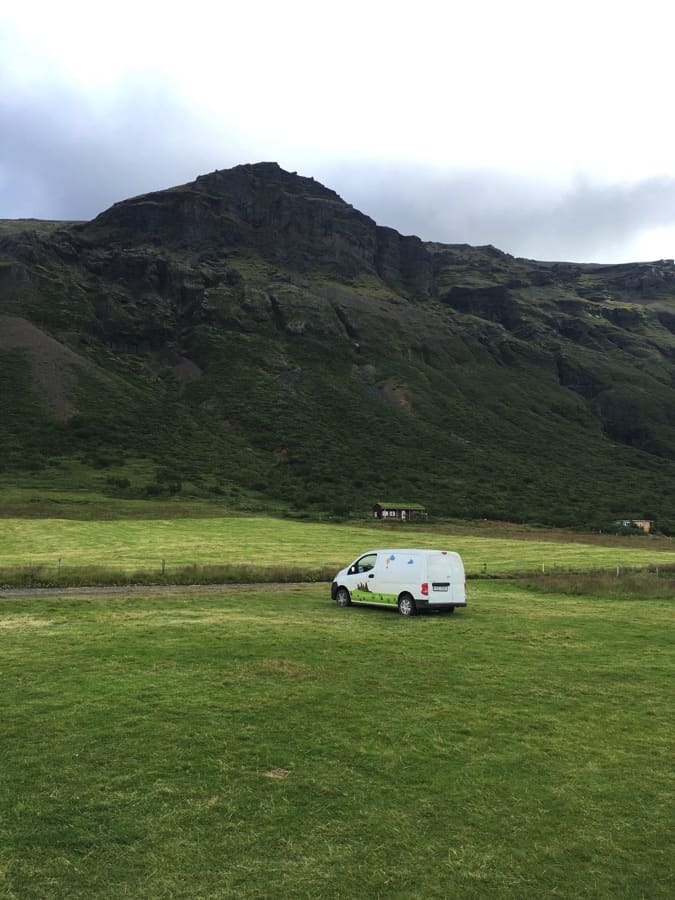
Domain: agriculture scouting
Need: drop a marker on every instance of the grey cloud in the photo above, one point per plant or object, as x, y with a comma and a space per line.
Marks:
522, 216
65, 156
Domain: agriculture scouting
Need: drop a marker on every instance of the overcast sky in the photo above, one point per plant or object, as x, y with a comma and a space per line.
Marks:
545, 129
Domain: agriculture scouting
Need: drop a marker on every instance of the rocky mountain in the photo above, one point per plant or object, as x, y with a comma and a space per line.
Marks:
252, 336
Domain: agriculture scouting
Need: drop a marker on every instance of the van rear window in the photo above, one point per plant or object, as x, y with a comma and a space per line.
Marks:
440, 568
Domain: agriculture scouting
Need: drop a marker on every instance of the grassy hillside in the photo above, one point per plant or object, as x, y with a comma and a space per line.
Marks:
250, 337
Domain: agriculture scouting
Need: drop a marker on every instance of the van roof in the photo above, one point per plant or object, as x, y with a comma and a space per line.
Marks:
427, 551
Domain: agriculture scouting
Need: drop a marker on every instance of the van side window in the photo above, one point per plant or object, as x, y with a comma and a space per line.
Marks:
366, 563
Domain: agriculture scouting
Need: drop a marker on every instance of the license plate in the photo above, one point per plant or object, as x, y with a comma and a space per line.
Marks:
439, 587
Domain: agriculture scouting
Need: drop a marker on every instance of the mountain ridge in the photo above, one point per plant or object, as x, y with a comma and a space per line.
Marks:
278, 324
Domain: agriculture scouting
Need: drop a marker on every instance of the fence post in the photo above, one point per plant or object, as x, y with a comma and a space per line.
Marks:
58, 566
163, 566
618, 571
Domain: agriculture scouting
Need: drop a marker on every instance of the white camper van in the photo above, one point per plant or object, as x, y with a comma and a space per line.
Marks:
410, 579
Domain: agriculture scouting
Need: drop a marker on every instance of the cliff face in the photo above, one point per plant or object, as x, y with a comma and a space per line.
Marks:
288, 219
283, 342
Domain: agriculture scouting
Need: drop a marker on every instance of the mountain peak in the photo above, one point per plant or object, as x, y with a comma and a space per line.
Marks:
286, 217
264, 175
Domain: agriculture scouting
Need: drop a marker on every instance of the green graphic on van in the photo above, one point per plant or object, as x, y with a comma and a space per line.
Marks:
363, 592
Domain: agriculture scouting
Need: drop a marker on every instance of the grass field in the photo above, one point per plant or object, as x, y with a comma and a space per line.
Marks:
268, 744
142, 544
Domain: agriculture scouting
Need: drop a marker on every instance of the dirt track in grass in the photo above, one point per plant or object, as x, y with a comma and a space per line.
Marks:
146, 589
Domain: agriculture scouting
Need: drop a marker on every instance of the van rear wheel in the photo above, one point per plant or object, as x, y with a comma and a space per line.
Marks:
406, 605
342, 597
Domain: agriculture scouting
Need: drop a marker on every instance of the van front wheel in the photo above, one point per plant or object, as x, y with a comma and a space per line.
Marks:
342, 597
406, 605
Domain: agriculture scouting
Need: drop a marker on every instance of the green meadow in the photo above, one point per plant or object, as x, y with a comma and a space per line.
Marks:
142, 544
259, 742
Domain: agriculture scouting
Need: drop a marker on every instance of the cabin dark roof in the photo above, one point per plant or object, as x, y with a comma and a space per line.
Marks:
398, 505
